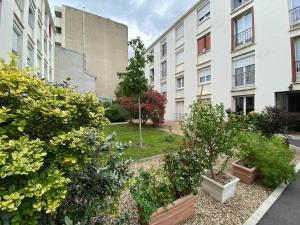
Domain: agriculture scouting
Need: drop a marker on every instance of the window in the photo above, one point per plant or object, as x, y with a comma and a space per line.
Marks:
203, 13
31, 15
0, 9
45, 46
244, 105
58, 30
297, 58
282, 101
46, 20
179, 57
244, 71
39, 73
163, 69
50, 31
243, 30
50, 74
179, 32
203, 43
151, 53
180, 83
30, 56
58, 14
237, 3
58, 44
151, 75
39, 38
163, 48
204, 75
20, 3
39, 14
179, 115
163, 89
16, 41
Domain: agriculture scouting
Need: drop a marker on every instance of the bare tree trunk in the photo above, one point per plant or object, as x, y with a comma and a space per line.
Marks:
140, 124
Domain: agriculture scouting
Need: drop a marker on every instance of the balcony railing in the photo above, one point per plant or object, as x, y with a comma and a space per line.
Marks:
244, 79
243, 37
295, 16
298, 70
238, 3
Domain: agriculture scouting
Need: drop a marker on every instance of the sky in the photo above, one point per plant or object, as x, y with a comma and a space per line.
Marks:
146, 19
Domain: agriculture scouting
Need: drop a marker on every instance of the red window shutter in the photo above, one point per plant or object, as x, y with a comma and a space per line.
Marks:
293, 52
199, 45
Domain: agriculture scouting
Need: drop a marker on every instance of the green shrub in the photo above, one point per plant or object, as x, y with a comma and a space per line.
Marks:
115, 113
151, 190
47, 134
206, 132
271, 157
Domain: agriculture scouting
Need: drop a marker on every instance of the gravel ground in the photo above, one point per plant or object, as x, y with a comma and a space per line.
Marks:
208, 211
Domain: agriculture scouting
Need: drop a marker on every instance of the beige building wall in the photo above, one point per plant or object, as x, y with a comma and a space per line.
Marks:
102, 41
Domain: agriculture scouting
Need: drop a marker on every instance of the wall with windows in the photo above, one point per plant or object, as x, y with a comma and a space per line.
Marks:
21, 32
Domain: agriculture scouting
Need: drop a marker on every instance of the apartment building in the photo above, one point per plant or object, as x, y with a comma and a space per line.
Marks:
27, 30
102, 42
242, 53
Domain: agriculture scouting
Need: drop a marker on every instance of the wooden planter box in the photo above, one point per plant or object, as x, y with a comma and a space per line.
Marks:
245, 174
218, 191
176, 213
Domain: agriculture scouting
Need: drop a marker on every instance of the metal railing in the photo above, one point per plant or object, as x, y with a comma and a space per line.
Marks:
243, 37
298, 70
295, 16
238, 3
244, 79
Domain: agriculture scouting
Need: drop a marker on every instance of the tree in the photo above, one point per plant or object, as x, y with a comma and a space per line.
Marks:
133, 80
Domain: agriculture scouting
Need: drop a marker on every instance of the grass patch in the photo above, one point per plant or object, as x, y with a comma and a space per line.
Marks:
153, 140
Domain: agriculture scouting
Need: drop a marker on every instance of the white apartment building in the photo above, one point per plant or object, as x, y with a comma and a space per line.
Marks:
242, 53
27, 29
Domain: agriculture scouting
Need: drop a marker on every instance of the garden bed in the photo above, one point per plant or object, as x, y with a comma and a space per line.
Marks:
208, 211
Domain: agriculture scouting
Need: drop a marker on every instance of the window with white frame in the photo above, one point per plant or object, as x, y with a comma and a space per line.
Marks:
30, 55
237, 3
16, 40
31, 15
46, 20
50, 74
294, 12
243, 29
204, 75
151, 76
179, 57
244, 104
244, 71
151, 53
20, 3
180, 82
203, 14
40, 14
163, 89
163, 48
179, 32
163, 69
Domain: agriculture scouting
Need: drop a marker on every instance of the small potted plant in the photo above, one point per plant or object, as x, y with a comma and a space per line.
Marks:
166, 196
208, 134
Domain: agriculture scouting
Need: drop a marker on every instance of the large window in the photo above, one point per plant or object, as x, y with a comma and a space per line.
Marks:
163, 48
243, 30
31, 15
30, 55
203, 13
179, 32
163, 69
45, 46
204, 75
16, 41
244, 71
151, 77
203, 44
179, 57
297, 58
163, 89
244, 104
180, 83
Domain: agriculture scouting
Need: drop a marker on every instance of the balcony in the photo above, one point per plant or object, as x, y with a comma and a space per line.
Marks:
295, 16
246, 79
238, 3
243, 37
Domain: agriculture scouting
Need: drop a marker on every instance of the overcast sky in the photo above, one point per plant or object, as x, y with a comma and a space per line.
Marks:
144, 18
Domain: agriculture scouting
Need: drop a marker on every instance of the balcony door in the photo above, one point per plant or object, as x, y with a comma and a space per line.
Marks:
297, 58
243, 29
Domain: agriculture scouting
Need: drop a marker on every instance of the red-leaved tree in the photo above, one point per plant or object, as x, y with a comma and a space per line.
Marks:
153, 105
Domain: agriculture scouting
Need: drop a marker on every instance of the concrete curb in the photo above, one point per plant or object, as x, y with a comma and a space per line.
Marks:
294, 147
266, 205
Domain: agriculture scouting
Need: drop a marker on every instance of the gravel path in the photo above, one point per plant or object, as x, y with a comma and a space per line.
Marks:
208, 211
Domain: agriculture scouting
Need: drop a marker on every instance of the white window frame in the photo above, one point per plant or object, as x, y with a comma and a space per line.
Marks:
19, 33
179, 57
31, 15
179, 32
180, 83
202, 14
163, 69
205, 74
162, 53
45, 47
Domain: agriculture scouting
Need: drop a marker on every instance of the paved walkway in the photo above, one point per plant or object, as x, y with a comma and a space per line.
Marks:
286, 210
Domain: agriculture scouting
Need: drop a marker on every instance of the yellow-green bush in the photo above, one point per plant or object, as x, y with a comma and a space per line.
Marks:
44, 138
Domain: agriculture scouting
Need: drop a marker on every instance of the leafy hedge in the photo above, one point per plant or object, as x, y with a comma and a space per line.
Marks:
44, 138
115, 113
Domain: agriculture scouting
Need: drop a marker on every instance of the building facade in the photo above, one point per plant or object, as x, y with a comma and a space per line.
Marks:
242, 53
102, 41
27, 30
